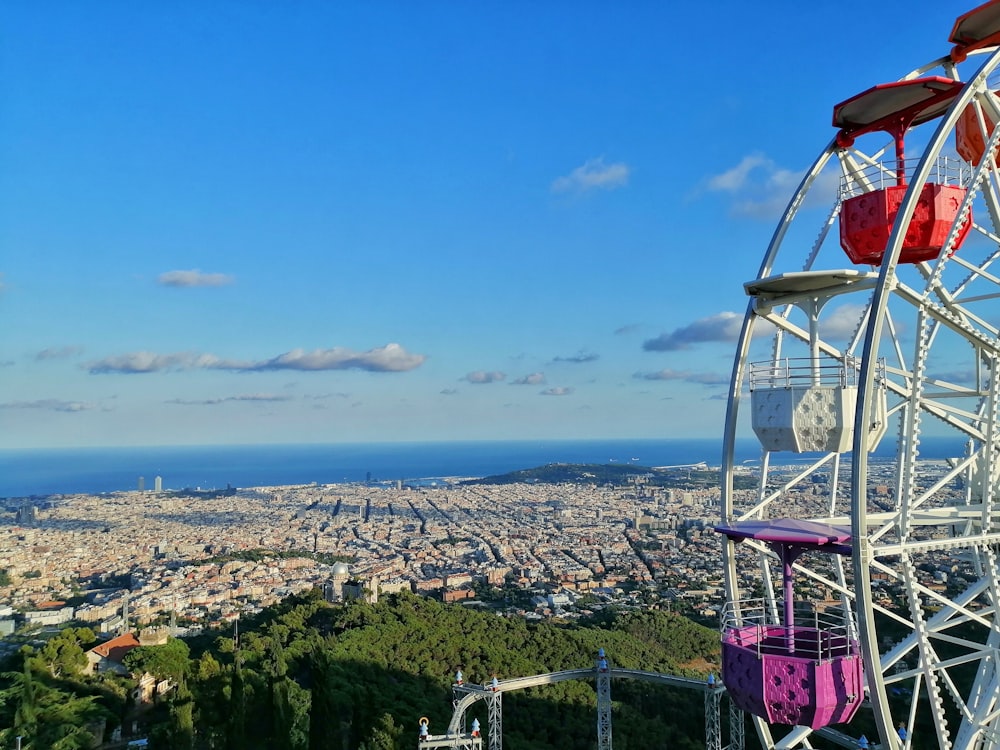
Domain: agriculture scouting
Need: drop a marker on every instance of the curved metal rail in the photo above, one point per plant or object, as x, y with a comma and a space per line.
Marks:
475, 693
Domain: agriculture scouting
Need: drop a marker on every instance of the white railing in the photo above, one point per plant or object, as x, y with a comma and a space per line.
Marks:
804, 372
815, 634
945, 171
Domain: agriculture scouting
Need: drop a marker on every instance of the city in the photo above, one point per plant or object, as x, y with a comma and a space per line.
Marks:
532, 549
167, 551
254, 237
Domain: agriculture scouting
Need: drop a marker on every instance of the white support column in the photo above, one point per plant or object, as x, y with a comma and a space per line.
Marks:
713, 724
985, 695
495, 703
456, 696
604, 709
737, 729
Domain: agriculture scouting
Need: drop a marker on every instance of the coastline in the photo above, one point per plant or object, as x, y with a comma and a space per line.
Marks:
26, 473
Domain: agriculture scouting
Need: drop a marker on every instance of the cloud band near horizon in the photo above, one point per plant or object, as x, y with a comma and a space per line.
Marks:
388, 358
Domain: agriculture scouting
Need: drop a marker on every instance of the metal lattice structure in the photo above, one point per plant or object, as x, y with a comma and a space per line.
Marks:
456, 696
603, 708
466, 694
459, 742
737, 728
495, 703
713, 722
912, 335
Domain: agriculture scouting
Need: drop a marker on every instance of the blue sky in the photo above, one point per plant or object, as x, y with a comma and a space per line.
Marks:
263, 222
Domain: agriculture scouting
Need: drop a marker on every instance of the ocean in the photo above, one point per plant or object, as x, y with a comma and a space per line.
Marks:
95, 470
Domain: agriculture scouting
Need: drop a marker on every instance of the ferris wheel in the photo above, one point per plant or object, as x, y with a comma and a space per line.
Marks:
861, 554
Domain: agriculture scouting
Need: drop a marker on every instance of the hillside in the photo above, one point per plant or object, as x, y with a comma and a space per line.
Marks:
619, 475
308, 675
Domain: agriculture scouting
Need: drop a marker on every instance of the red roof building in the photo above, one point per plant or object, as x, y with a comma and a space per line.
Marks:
108, 656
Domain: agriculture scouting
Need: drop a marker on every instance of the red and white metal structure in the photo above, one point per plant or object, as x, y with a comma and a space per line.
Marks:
874, 319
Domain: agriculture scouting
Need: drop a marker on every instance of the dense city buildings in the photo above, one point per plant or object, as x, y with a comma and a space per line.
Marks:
206, 557
533, 549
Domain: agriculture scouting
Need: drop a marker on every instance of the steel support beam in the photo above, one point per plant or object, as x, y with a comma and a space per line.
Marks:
495, 702
737, 729
603, 709
713, 723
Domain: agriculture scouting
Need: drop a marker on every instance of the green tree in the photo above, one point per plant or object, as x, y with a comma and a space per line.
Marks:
385, 735
276, 714
170, 660
63, 654
208, 667
26, 713
45, 716
325, 712
181, 731
237, 706
283, 721
208, 684
312, 676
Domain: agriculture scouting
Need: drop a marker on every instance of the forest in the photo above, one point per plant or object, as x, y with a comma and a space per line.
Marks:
619, 475
309, 675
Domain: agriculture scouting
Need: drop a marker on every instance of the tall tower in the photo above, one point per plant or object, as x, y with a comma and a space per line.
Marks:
142, 484
158, 484
27, 514
123, 628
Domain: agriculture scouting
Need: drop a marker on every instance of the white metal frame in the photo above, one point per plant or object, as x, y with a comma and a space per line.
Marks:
918, 318
604, 737
465, 695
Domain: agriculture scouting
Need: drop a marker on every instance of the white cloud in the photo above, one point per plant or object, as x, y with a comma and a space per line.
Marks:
736, 178
264, 397
767, 200
580, 358
194, 277
535, 378
842, 322
557, 391
702, 378
761, 189
962, 377
50, 404
60, 352
388, 358
724, 326
142, 362
593, 175
481, 376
